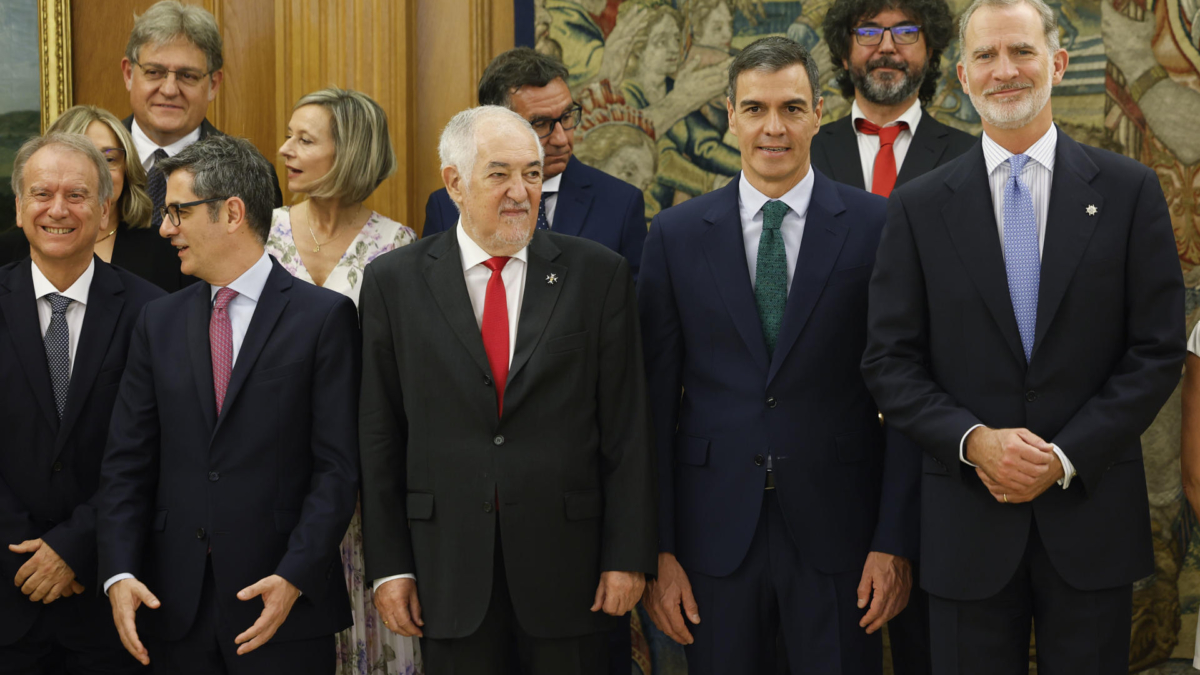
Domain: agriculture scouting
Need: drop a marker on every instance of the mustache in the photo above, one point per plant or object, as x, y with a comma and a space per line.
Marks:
887, 62
1008, 86
510, 205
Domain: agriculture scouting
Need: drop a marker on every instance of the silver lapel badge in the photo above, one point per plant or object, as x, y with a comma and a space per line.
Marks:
1091, 209
552, 279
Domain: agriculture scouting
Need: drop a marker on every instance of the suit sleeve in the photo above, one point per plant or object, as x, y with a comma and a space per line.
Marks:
383, 443
633, 235
626, 445
895, 363
1144, 377
898, 530
662, 340
434, 219
329, 505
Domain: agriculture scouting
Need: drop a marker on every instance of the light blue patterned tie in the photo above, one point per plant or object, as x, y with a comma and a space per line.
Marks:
58, 350
1021, 258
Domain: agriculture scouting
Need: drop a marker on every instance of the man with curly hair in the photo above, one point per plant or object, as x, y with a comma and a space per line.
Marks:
887, 55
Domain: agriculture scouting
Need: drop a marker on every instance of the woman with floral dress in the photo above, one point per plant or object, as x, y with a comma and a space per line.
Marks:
337, 151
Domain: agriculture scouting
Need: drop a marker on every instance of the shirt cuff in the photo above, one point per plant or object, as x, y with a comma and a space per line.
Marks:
381, 581
962, 446
1068, 467
114, 579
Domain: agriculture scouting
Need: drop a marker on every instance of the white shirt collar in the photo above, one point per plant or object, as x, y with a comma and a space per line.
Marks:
1041, 152
146, 147
912, 116
550, 185
78, 290
797, 198
252, 281
472, 254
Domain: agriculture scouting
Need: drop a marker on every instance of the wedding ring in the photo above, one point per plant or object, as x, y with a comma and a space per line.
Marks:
1005, 501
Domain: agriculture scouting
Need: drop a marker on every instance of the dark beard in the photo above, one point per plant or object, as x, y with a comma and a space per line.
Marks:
891, 92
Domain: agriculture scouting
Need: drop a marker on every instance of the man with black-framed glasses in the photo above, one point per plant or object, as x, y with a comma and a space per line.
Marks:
576, 198
173, 68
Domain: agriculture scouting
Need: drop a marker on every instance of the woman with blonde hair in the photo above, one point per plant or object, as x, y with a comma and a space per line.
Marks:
337, 151
125, 239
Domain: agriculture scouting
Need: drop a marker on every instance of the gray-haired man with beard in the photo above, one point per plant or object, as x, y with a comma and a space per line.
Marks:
887, 56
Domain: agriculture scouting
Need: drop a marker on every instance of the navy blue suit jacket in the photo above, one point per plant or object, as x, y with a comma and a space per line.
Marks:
591, 204
270, 484
49, 468
721, 404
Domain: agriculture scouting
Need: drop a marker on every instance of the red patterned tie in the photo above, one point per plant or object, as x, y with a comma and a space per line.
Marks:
220, 340
883, 179
495, 327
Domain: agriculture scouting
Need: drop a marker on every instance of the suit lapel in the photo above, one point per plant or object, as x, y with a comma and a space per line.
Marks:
444, 276
844, 161
725, 251
99, 321
574, 200
971, 222
538, 302
926, 149
199, 351
1069, 228
819, 249
20, 313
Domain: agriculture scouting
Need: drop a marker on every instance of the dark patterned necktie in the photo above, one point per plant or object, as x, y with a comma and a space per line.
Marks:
156, 187
543, 222
770, 273
58, 350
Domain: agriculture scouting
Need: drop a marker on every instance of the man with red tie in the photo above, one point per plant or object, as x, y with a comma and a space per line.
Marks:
508, 495
887, 59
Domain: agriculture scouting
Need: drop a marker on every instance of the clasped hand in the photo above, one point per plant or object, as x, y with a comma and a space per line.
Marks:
1015, 465
45, 577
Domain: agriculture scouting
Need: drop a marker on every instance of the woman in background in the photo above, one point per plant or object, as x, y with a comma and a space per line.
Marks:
337, 151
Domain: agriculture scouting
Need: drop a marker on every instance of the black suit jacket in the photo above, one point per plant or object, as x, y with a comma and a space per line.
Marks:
571, 457
591, 204
269, 485
206, 130
944, 354
835, 150
721, 403
49, 468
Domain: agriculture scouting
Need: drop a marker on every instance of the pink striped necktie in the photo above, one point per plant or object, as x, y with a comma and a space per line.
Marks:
220, 339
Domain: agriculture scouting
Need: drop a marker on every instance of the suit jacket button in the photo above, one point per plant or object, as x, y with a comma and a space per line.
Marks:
770, 401
498, 440
199, 532
487, 507
759, 460
214, 476
487, 381
58, 466
1031, 396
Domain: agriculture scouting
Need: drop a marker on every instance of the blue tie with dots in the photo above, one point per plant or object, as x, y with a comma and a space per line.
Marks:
156, 188
58, 350
1022, 261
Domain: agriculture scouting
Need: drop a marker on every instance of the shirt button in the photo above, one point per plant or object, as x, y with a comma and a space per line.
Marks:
199, 532
214, 476
1031, 396
498, 440
759, 460
58, 466
770, 401
487, 507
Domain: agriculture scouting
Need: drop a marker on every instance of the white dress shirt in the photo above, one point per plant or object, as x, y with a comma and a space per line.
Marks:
241, 310
868, 144
1037, 175
550, 189
78, 292
750, 204
146, 147
477, 277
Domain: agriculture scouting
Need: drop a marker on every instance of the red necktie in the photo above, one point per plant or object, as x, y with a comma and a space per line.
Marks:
495, 327
220, 340
883, 179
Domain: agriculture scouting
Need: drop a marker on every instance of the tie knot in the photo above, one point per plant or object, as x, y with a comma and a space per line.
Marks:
1017, 163
773, 213
887, 135
224, 297
159, 155
58, 303
496, 264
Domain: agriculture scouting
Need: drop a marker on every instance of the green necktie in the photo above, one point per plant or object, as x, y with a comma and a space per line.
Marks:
770, 273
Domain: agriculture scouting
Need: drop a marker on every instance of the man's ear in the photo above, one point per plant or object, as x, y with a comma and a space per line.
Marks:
127, 73
217, 78
235, 214
454, 183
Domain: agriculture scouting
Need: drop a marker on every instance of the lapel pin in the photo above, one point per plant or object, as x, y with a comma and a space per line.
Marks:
552, 279
1091, 209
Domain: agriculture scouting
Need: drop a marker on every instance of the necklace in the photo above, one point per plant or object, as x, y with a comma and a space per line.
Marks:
316, 244
110, 233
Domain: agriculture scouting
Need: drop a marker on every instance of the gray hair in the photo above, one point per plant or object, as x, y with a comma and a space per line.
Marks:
76, 142
226, 166
1049, 22
170, 20
457, 146
772, 54
362, 151
133, 205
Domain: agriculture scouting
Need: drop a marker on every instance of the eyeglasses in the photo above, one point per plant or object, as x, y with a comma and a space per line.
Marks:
114, 157
171, 211
569, 120
869, 36
185, 76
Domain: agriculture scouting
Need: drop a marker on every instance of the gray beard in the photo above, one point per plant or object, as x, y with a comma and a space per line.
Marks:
892, 92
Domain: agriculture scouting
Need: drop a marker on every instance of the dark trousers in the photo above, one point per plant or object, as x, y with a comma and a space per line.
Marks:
501, 647
1077, 632
209, 649
908, 632
71, 636
620, 648
775, 595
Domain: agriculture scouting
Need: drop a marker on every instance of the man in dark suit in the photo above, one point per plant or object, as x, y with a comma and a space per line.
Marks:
505, 432
65, 322
776, 514
1026, 325
576, 198
172, 70
888, 62
231, 470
